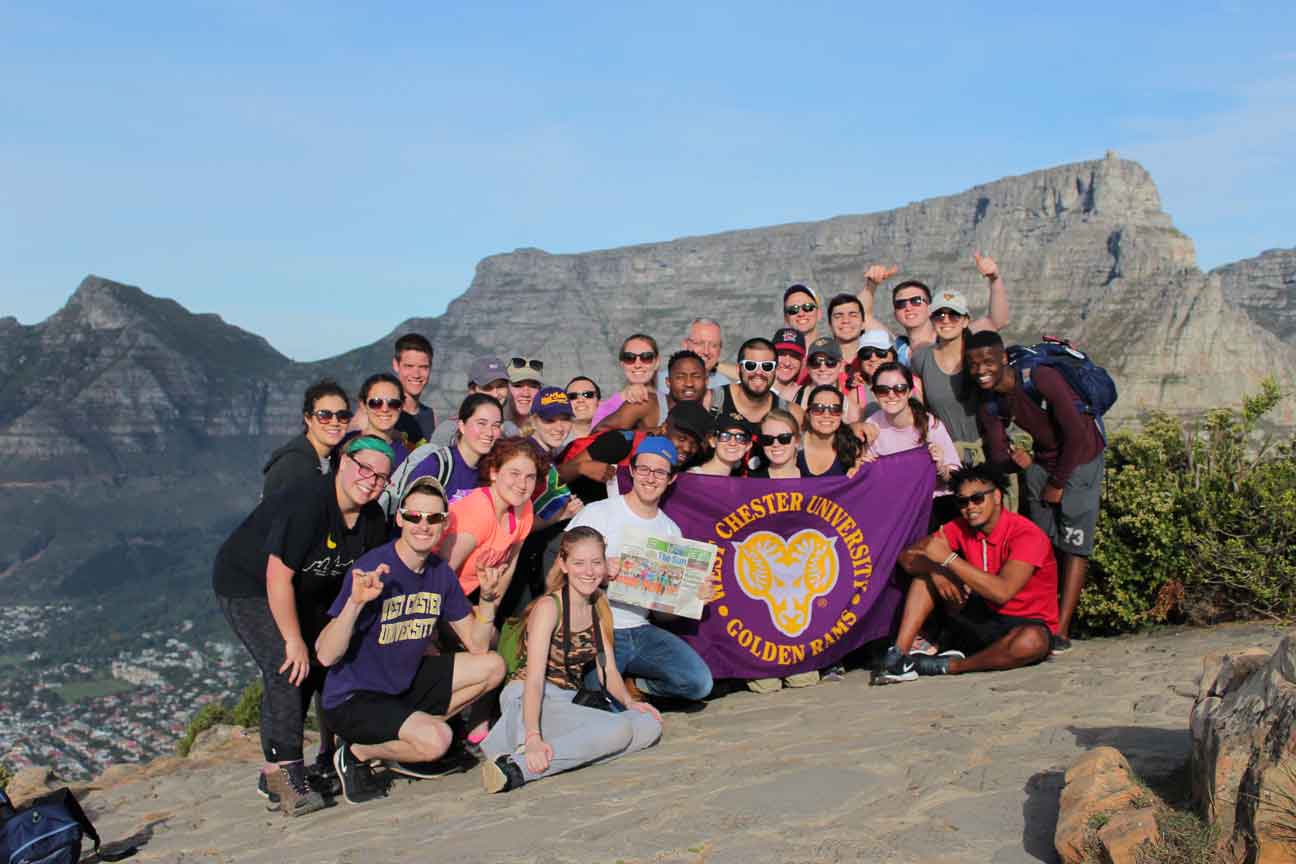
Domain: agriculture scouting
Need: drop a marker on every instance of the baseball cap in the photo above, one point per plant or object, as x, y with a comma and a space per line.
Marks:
826, 346
879, 339
484, 370
798, 288
789, 339
730, 421
692, 418
524, 369
551, 403
950, 300
427, 484
658, 445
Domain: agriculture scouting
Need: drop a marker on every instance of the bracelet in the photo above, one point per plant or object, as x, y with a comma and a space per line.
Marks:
949, 558
529, 734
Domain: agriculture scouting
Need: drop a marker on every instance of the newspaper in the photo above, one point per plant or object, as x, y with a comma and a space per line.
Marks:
664, 575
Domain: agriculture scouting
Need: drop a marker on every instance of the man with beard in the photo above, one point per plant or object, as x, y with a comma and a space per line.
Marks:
753, 396
685, 382
992, 573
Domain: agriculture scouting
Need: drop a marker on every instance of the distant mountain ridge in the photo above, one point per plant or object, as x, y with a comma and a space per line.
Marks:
144, 425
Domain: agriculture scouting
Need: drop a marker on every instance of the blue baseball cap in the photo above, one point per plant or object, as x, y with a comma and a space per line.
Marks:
659, 446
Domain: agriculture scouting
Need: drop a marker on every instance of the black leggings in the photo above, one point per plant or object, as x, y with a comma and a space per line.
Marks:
283, 706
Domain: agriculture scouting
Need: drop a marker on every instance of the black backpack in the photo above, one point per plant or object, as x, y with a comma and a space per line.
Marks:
49, 830
1094, 389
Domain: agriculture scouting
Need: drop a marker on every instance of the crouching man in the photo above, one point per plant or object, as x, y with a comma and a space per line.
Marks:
384, 695
992, 575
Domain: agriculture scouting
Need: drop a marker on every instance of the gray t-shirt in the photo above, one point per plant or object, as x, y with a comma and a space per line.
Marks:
952, 398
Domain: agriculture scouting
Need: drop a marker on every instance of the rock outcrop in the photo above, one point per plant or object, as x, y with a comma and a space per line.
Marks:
1243, 766
1265, 288
1103, 806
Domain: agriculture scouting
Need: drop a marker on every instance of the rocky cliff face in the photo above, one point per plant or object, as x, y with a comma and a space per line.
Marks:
125, 419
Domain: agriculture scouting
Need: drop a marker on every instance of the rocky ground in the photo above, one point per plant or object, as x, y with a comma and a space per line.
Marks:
940, 770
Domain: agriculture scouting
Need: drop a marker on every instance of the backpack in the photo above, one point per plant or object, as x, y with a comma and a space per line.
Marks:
401, 477
49, 830
1093, 386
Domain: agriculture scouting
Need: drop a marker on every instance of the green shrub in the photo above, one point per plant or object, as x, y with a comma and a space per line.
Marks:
209, 715
5, 777
247, 711
1198, 521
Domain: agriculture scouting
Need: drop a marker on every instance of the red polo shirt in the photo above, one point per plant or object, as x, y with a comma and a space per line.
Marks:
1014, 538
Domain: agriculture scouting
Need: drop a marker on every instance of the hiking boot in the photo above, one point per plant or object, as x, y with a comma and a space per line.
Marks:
896, 668
1059, 644
296, 797
322, 777
925, 664
272, 799
355, 777
502, 775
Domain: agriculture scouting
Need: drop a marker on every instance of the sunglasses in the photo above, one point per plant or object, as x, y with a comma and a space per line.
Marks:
784, 438
804, 307
909, 301
324, 415
762, 365
977, 498
581, 394
736, 437
522, 363
885, 389
821, 362
377, 404
414, 517
825, 408
367, 473
942, 314
874, 353
642, 356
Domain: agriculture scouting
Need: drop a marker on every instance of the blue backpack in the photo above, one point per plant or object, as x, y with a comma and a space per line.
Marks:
49, 830
1094, 388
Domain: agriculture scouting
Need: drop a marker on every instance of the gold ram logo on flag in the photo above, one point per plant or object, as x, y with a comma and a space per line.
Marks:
786, 575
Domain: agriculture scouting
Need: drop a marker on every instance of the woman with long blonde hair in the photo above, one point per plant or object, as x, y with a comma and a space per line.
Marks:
542, 731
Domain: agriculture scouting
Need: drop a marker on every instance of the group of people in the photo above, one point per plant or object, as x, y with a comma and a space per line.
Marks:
388, 549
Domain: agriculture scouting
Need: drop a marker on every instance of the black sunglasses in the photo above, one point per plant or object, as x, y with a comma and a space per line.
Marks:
377, 404
783, 438
804, 307
942, 314
727, 436
977, 498
324, 415
414, 517
909, 301
825, 408
581, 394
522, 363
819, 361
884, 389
641, 356
871, 353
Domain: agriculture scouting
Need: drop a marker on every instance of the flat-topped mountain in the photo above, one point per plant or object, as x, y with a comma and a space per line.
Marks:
133, 430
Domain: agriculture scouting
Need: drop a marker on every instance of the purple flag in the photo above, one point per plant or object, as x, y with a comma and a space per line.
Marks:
804, 566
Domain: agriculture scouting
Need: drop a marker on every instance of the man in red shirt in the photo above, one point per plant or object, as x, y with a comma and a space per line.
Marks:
992, 573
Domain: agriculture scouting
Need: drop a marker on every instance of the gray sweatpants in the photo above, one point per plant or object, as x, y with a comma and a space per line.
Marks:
578, 735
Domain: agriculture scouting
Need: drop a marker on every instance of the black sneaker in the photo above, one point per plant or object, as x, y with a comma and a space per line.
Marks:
322, 777
1059, 644
264, 791
502, 775
925, 664
355, 777
896, 668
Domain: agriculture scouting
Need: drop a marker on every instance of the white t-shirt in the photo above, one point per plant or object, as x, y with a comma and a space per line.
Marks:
620, 527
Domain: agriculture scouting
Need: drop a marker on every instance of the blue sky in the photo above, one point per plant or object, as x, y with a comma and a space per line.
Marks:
317, 173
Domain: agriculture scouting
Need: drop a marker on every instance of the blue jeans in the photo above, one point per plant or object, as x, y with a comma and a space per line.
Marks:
661, 663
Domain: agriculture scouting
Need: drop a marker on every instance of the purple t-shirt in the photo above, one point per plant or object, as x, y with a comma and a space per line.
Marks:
393, 629
463, 477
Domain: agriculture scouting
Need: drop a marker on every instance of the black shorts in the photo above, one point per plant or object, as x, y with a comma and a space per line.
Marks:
376, 718
976, 626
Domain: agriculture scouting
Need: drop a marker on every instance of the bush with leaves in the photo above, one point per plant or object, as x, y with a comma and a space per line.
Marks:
1198, 521
209, 715
5, 777
247, 711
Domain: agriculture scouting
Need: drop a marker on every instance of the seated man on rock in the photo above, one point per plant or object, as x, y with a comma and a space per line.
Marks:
992, 574
384, 695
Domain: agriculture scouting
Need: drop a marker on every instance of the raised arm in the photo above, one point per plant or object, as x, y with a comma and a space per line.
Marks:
874, 276
997, 317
